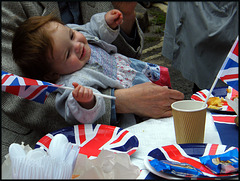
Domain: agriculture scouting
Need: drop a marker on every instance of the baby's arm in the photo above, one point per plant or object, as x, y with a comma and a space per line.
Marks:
84, 96
114, 18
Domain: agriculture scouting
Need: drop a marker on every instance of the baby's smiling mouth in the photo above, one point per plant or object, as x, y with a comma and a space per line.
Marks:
83, 53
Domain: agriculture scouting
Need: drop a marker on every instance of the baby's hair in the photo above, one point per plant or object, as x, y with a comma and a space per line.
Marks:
32, 47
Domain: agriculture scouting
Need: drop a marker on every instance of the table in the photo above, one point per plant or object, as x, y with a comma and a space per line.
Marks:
155, 133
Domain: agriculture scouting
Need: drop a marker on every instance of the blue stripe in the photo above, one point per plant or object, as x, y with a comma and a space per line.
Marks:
230, 63
15, 82
228, 133
131, 143
233, 84
3, 73
40, 98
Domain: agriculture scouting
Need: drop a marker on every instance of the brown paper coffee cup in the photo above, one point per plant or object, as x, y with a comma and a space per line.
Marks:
189, 121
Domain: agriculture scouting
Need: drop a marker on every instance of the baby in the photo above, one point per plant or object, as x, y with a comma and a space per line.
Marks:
81, 56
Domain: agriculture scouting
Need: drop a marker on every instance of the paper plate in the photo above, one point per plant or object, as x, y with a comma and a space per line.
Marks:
217, 92
92, 138
190, 153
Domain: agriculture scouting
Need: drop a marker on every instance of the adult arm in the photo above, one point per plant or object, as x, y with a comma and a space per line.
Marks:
129, 17
147, 100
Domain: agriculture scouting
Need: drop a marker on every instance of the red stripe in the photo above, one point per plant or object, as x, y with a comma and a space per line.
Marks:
93, 146
235, 51
82, 135
45, 141
234, 93
5, 78
230, 76
195, 97
223, 119
203, 94
10, 89
120, 137
39, 89
13, 90
30, 81
229, 108
131, 152
175, 154
213, 149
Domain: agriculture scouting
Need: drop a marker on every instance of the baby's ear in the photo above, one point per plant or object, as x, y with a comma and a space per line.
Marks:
51, 77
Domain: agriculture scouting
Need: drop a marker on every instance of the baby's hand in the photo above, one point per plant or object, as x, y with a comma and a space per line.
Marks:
83, 95
114, 18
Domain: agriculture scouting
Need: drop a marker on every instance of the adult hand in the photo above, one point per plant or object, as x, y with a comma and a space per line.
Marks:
128, 10
147, 100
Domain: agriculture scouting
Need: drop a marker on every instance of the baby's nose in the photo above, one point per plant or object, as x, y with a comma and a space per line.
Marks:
77, 47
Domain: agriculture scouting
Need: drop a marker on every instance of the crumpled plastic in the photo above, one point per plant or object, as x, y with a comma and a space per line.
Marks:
176, 168
219, 164
222, 163
108, 165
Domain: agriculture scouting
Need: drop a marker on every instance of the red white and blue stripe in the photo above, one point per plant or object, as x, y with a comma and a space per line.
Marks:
26, 88
92, 138
229, 70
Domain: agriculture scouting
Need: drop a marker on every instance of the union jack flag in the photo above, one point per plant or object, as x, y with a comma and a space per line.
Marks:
92, 138
229, 70
31, 89
185, 153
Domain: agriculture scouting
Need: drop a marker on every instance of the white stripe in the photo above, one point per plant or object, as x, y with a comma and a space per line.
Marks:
76, 134
207, 149
231, 148
230, 71
229, 80
233, 57
89, 133
222, 115
21, 81
223, 122
9, 81
39, 82
205, 92
113, 138
221, 149
123, 141
143, 174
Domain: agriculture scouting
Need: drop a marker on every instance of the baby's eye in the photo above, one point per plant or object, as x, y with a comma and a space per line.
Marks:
72, 35
68, 54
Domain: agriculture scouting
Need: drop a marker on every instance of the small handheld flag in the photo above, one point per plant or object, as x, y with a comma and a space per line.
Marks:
31, 89
35, 90
229, 70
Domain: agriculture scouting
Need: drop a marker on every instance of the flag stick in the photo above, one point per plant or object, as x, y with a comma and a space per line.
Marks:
210, 91
94, 93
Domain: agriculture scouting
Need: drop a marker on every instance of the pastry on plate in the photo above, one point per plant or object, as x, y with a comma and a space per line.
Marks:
215, 102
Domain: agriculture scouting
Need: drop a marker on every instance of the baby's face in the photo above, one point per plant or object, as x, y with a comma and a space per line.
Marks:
70, 49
